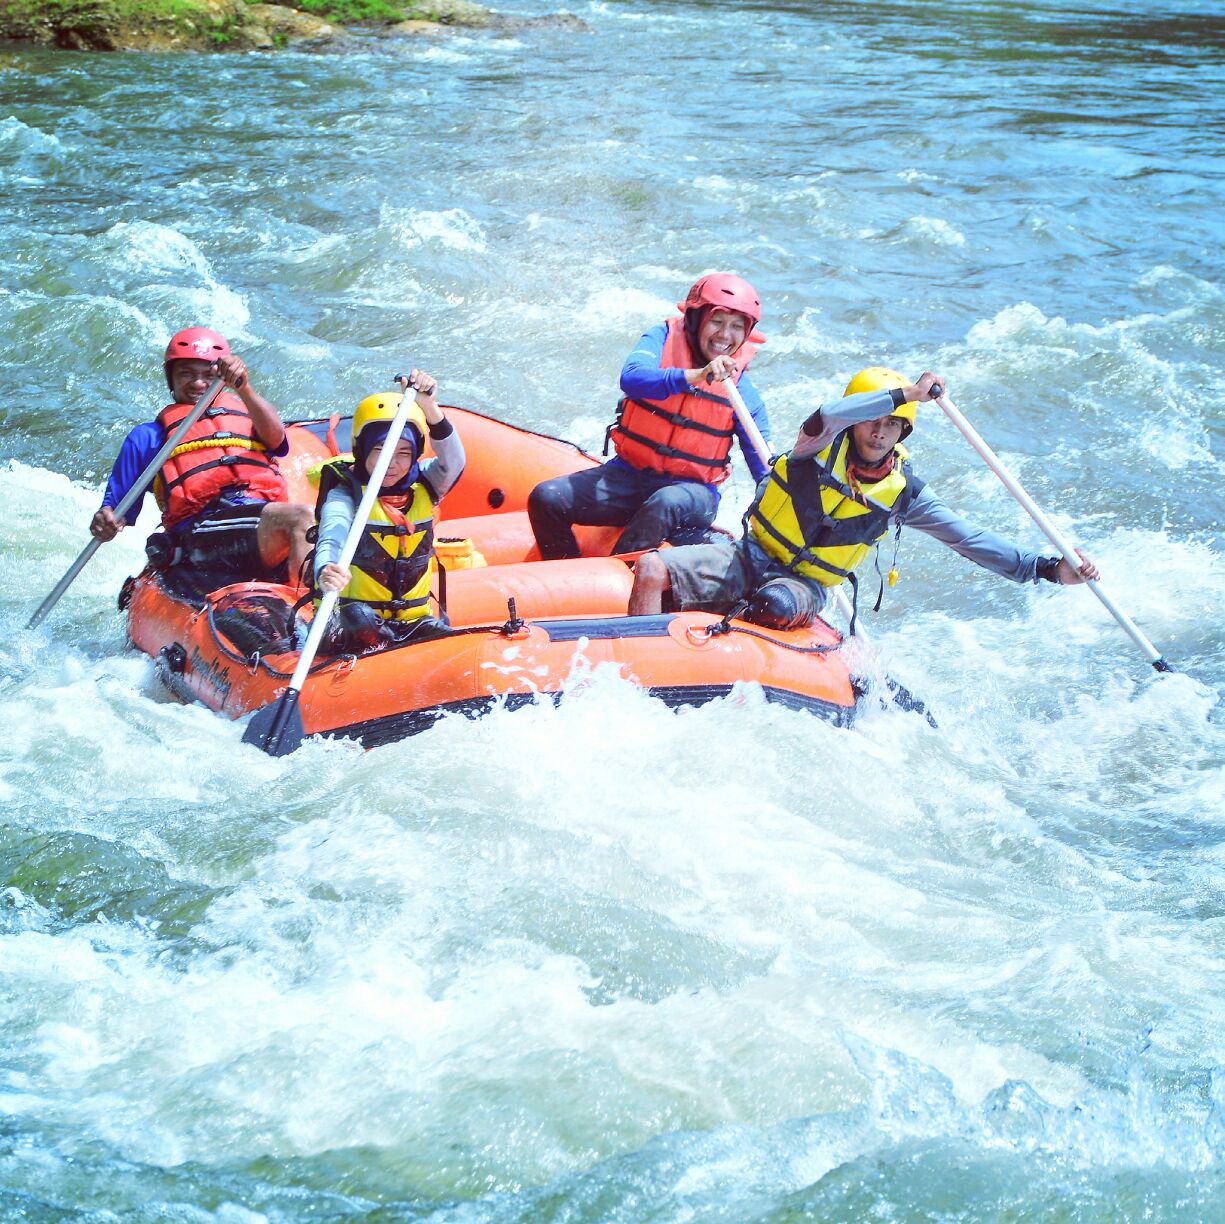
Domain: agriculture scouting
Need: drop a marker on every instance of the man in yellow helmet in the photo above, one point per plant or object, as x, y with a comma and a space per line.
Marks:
819, 511
385, 593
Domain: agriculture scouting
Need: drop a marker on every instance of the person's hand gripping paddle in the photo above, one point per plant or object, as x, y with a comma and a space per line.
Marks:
133, 494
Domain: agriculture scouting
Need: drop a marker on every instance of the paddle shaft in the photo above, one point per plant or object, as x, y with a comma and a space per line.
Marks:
131, 496
1049, 530
762, 447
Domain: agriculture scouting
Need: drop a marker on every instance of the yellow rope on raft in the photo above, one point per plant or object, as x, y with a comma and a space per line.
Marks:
215, 443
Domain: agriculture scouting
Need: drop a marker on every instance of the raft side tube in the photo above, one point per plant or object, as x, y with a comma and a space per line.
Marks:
507, 539
374, 733
583, 586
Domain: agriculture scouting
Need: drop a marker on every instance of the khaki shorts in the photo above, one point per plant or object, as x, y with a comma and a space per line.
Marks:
714, 577
708, 577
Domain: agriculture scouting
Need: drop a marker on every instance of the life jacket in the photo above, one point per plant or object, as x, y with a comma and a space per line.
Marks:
687, 435
808, 517
391, 568
218, 453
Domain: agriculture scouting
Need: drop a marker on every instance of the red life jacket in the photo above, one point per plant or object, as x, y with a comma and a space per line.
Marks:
689, 434
218, 453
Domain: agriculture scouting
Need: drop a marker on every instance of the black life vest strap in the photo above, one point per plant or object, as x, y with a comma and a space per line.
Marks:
388, 605
823, 478
854, 602
673, 452
683, 422
700, 393
395, 529
331, 475
216, 410
248, 458
212, 411
802, 553
821, 529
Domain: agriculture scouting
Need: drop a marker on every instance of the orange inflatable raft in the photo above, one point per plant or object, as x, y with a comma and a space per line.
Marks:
230, 648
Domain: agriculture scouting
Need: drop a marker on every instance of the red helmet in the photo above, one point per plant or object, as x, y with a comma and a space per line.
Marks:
725, 290
196, 344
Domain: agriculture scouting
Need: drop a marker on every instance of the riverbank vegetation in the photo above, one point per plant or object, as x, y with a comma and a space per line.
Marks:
165, 25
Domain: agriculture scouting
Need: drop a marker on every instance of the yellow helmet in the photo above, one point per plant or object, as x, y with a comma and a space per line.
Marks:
880, 378
382, 406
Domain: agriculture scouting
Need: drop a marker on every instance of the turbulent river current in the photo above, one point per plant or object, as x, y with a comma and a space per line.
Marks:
606, 961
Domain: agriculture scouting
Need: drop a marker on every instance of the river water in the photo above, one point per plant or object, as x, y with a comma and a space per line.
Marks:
608, 961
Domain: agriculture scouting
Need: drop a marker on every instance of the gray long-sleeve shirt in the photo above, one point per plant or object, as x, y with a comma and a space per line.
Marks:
927, 512
340, 508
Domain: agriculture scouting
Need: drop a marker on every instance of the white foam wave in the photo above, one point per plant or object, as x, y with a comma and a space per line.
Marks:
404, 953
452, 228
1173, 403
25, 492
435, 53
28, 144
615, 305
1165, 275
170, 277
937, 230
156, 248
716, 185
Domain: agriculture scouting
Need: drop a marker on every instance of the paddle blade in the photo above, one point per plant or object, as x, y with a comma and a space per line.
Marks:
904, 699
277, 727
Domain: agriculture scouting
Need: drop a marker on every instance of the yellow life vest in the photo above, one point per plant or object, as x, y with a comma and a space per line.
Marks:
391, 568
808, 517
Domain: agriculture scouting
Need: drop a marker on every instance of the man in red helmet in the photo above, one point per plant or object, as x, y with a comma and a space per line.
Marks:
222, 498
673, 431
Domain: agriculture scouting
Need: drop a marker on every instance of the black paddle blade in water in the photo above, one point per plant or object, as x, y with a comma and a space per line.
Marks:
904, 699
277, 728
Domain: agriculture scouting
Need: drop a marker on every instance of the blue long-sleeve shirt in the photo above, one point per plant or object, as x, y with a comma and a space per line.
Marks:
642, 378
927, 512
134, 456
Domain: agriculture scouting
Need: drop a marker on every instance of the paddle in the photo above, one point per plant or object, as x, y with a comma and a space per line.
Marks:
766, 455
136, 491
1047, 528
277, 727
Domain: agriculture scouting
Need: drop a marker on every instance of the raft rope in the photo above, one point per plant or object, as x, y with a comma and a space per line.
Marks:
254, 661
725, 625
235, 441
765, 637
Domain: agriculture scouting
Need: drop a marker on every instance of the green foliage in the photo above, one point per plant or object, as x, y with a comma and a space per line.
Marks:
341, 11
158, 24
97, 23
